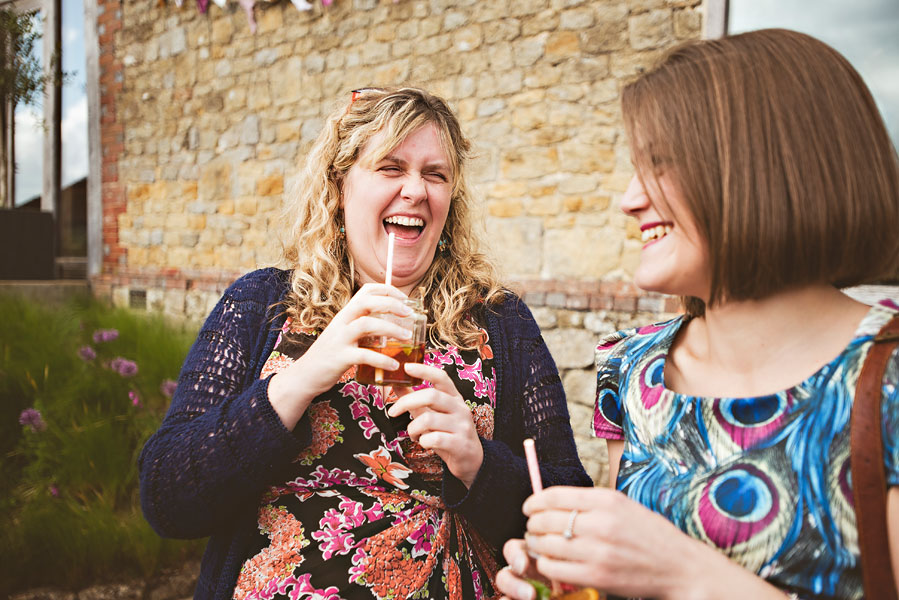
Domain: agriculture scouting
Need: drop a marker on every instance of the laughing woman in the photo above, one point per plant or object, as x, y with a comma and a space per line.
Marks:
305, 483
766, 181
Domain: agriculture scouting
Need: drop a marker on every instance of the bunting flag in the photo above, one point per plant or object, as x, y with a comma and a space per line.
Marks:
247, 6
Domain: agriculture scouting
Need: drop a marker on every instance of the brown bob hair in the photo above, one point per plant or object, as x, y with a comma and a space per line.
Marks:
782, 158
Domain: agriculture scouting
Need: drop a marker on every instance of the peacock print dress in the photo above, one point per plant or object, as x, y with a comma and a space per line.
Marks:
362, 516
765, 480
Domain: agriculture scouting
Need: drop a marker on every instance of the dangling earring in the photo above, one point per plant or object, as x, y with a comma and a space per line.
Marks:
341, 233
443, 245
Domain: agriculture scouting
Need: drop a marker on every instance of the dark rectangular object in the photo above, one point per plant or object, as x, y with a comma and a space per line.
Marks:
27, 248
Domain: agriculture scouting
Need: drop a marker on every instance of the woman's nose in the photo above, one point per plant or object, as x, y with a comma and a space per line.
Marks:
414, 189
634, 198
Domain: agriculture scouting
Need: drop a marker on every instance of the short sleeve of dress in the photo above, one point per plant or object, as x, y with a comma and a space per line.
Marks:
607, 416
890, 419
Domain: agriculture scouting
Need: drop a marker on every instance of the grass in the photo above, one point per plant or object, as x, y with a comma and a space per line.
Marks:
70, 511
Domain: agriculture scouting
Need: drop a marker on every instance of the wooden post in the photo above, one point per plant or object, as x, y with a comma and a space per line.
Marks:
715, 25
94, 152
52, 106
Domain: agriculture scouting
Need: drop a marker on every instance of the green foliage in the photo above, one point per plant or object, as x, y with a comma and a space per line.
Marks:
70, 510
21, 77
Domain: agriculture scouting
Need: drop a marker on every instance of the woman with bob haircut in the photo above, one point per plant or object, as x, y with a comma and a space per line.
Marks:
765, 182
312, 483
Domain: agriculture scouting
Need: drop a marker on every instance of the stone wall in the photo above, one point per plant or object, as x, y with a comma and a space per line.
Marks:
204, 124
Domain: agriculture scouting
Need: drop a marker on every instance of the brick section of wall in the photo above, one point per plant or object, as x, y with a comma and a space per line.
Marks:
112, 132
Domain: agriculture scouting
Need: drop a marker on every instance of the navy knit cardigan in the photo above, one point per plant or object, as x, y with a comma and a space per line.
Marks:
222, 445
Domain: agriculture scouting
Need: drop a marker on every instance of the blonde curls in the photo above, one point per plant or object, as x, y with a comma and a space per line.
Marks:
323, 278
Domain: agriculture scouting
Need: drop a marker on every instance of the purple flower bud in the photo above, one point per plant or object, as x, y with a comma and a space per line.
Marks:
135, 399
54, 491
167, 387
105, 335
31, 417
123, 366
86, 353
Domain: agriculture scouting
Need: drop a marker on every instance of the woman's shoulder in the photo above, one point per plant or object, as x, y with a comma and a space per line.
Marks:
267, 284
635, 341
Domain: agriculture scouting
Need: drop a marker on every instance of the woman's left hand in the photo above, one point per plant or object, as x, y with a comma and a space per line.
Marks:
619, 546
441, 421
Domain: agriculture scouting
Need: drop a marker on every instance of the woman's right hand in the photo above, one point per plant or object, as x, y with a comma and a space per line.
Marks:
512, 580
337, 349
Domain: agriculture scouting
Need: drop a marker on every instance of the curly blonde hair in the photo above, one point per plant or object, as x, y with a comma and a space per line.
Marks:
323, 278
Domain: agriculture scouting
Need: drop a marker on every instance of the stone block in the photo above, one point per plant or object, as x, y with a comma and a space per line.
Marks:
270, 185
215, 183
577, 19
468, 38
581, 252
652, 29
571, 348
580, 386
545, 317
528, 51
562, 44
222, 31
599, 323
528, 163
610, 31
546, 20
515, 244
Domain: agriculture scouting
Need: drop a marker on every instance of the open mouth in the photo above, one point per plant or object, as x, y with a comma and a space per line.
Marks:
652, 232
405, 228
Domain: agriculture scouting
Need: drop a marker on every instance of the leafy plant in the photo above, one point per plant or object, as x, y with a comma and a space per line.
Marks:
81, 388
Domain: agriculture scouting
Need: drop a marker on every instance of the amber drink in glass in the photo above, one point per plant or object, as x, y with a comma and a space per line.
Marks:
411, 350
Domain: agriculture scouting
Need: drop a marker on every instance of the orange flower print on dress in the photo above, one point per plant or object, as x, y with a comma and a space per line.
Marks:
483, 420
381, 466
326, 431
276, 562
484, 349
275, 363
385, 564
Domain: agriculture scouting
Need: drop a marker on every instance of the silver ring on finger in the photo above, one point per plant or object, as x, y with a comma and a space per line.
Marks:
569, 529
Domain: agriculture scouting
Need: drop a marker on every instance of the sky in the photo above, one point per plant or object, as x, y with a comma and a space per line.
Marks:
866, 32
29, 119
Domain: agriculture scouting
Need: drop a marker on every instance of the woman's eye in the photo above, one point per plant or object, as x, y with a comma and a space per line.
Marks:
438, 176
389, 169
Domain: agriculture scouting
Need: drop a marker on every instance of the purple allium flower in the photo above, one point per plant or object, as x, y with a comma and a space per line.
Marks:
135, 398
54, 491
123, 366
31, 417
105, 335
167, 387
86, 353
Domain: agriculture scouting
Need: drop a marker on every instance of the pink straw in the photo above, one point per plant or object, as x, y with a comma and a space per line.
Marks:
389, 275
530, 453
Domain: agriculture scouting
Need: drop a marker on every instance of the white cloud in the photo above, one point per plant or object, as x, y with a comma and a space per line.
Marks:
74, 142
29, 153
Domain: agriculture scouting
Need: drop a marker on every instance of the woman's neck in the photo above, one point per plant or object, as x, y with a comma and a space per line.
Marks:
753, 347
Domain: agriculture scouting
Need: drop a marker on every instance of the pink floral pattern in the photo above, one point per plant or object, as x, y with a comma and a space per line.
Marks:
369, 497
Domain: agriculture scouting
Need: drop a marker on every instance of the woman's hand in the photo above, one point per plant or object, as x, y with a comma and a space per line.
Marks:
441, 421
619, 546
512, 580
337, 349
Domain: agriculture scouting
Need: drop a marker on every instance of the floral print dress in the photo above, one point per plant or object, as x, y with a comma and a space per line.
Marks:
363, 516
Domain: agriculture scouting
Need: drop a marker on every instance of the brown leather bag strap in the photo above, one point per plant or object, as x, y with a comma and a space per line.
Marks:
869, 487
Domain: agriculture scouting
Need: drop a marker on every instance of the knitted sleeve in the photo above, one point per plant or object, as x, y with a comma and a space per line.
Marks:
530, 403
221, 441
